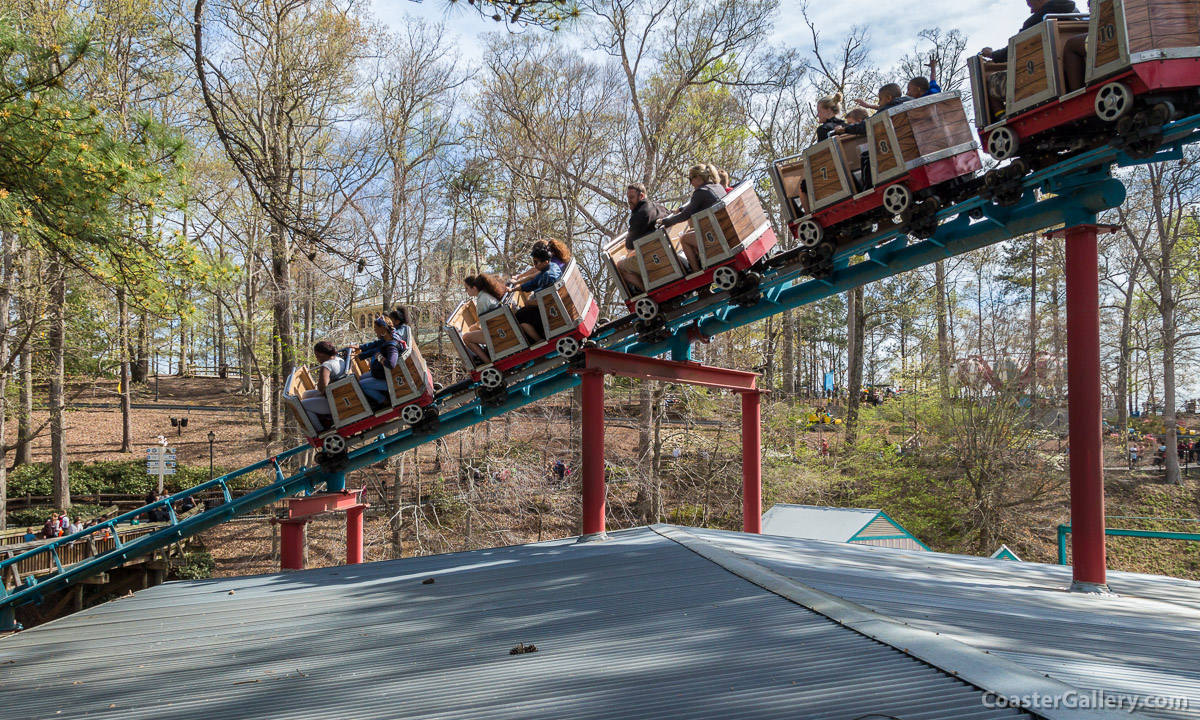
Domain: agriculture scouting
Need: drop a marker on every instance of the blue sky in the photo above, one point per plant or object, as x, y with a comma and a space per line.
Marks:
893, 25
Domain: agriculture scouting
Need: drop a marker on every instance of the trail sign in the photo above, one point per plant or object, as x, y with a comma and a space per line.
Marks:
160, 461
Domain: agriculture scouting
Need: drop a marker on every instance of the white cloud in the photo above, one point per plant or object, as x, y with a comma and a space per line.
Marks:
893, 26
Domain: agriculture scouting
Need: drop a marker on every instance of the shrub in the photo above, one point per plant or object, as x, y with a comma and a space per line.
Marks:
197, 565
109, 476
36, 516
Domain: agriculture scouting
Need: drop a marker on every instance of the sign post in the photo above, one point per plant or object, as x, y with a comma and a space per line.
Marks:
160, 461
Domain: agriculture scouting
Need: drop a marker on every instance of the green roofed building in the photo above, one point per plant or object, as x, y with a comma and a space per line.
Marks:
851, 525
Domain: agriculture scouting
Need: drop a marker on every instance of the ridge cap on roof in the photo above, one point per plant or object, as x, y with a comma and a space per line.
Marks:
977, 667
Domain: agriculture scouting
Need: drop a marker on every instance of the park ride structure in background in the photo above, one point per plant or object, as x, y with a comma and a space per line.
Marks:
1067, 191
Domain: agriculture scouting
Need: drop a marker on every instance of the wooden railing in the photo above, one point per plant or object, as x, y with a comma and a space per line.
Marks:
69, 554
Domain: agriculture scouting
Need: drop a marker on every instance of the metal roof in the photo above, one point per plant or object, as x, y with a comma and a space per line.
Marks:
639, 626
1143, 642
813, 522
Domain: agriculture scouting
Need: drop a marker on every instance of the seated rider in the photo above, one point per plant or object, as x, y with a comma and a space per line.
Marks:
1074, 49
548, 273
315, 402
560, 255
706, 192
889, 97
643, 215
402, 329
920, 87
488, 291
383, 353
829, 113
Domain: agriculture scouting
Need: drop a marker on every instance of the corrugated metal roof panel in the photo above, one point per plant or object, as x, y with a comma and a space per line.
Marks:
880, 527
814, 522
1145, 642
634, 627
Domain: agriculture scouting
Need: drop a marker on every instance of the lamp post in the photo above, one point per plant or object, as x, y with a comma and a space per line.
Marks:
212, 437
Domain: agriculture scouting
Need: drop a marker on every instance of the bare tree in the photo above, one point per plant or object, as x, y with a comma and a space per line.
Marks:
278, 99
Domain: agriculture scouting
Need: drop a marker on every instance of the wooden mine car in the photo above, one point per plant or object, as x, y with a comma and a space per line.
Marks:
732, 236
568, 314
1141, 71
410, 400
921, 156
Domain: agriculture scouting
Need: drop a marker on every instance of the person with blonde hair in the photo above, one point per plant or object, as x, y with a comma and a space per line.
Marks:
706, 192
829, 113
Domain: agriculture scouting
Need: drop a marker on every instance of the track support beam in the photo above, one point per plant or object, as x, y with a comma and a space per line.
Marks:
593, 455
597, 363
752, 462
1089, 572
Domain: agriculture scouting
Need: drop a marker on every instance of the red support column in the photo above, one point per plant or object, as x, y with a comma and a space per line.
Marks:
291, 544
752, 461
354, 535
1083, 405
592, 433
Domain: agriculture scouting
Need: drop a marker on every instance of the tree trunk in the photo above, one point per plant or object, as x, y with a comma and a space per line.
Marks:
645, 421
29, 316
285, 339
789, 354
854, 382
1169, 319
61, 492
125, 376
141, 369
8, 242
246, 338
1033, 319
1123, 353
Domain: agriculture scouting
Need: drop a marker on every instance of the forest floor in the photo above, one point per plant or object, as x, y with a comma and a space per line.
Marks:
492, 486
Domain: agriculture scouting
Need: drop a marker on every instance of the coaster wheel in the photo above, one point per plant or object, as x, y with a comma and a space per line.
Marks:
412, 414
1002, 143
645, 308
491, 378
1113, 101
334, 444
897, 199
568, 347
809, 233
725, 278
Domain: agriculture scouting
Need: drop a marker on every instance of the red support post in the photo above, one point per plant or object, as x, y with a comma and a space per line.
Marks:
1083, 406
354, 535
291, 544
593, 453
752, 462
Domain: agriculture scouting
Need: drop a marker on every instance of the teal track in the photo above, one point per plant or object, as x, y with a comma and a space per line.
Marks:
1071, 192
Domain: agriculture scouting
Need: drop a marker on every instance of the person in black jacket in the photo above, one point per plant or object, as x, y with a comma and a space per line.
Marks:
1040, 9
643, 216
707, 191
890, 96
1074, 49
829, 112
